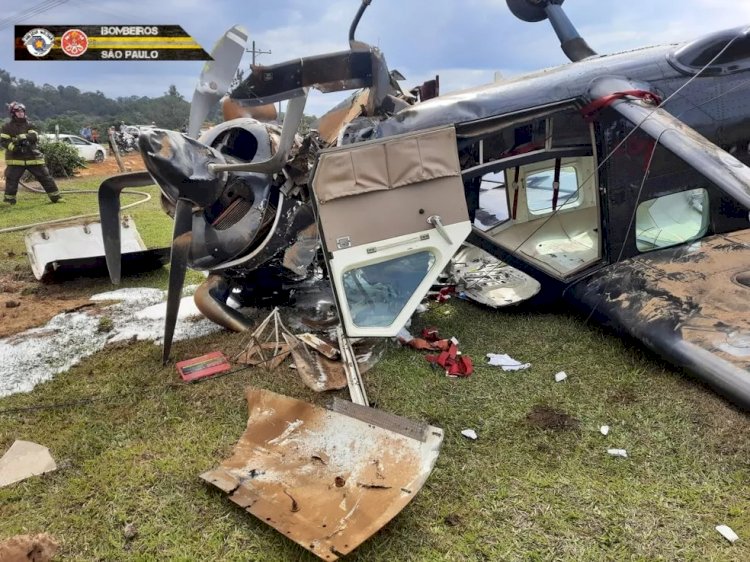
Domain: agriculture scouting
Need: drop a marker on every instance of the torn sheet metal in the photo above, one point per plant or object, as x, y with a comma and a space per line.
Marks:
23, 460
327, 480
320, 346
483, 278
77, 247
317, 372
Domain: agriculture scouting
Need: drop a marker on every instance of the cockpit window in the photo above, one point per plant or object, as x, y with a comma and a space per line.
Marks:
692, 57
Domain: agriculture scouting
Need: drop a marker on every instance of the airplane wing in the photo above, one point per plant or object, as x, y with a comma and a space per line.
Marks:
690, 304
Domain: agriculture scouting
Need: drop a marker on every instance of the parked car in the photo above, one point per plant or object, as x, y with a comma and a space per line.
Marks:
89, 151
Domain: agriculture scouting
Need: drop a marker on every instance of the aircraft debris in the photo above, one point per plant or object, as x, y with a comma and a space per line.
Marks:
29, 548
319, 345
265, 346
23, 460
604, 430
506, 362
325, 479
484, 279
727, 533
561, 376
204, 366
470, 434
618, 453
318, 373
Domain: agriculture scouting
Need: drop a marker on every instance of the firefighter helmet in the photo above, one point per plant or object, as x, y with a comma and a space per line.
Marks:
15, 106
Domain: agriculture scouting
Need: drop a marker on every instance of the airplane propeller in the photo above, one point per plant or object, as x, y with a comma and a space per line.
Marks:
179, 164
216, 76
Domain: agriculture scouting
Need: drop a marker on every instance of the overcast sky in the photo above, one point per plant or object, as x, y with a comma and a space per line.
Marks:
464, 41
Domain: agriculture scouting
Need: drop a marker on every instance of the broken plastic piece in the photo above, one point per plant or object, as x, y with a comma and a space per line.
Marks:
604, 430
561, 376
727, 533
618, 453
469, 433
23, 460
506, 362
325, 479
204, 366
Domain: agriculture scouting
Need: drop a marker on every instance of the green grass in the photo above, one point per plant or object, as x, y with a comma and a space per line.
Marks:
520, 492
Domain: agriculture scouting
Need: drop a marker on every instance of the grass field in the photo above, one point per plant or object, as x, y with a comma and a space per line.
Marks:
538, 483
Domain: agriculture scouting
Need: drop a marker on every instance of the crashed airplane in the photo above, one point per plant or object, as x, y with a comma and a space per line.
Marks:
617, 183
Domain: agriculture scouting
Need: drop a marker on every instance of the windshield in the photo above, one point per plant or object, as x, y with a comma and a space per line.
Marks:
693, 56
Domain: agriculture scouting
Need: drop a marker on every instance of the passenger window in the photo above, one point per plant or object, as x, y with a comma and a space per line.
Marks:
540, 190
671, 220
493, 202
377, 293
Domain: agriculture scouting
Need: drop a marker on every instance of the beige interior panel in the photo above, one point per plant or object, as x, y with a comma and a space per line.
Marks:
562, 244
378, 215
386, 164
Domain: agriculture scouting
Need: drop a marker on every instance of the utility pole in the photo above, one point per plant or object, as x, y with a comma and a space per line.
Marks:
255, 52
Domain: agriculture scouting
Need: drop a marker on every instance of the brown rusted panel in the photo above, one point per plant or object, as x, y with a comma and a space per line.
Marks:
326, 480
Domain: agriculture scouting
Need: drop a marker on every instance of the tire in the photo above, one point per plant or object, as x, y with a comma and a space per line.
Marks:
99, 156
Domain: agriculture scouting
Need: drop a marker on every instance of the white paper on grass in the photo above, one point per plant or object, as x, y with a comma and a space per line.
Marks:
727, 533
23, 460
470, 433
618, 453
561, 376
604, 429
506, 362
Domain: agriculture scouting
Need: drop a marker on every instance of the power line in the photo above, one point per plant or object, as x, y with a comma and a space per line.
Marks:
30, 12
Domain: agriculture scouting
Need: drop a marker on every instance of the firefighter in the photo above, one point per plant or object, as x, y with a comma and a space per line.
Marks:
19, 139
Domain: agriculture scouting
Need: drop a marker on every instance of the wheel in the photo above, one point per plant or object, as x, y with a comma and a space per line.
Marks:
99, 156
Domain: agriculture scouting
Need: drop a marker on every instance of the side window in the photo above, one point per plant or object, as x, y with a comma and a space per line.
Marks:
540, 190
671, 219
493, 202
78, 141
66, 139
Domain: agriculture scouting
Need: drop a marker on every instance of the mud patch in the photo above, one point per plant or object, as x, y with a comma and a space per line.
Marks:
544, 417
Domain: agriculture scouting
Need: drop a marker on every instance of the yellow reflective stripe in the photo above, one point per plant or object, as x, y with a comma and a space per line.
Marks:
5, 136
24, 162
21, 136
31, 131
11, 146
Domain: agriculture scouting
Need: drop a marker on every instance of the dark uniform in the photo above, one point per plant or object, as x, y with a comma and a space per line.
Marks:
19, 139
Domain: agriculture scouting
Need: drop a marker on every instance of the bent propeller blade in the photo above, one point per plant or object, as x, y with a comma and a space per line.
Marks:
109, 214
181, 241
216, 76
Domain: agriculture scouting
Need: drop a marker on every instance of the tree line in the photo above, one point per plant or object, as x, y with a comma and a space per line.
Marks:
71, 109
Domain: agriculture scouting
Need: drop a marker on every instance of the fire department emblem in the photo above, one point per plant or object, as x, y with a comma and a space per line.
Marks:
74, 42
39, 41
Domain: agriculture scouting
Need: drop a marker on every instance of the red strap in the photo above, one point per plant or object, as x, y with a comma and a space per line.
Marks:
597, 105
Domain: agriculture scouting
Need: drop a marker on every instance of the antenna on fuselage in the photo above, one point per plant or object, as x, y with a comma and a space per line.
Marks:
352, 41
573, 45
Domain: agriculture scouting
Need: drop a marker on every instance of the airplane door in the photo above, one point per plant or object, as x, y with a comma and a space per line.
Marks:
391, 214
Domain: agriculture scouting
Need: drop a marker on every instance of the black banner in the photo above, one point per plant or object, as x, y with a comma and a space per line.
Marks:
106, 42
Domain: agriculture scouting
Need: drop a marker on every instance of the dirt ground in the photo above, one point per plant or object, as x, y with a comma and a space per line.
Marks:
25, 302
132, 162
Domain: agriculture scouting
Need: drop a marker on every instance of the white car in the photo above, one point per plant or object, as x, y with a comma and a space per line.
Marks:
89, 151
